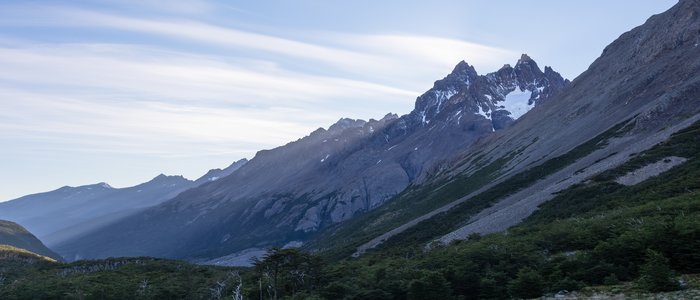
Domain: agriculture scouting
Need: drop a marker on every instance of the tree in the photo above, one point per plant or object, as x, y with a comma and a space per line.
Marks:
431, 285
287, 271
528, 284
656, 275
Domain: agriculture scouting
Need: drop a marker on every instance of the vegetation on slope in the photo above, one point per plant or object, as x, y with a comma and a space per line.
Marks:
15, 235
631, 238
591, 234
8, 252
417, 201
124, 278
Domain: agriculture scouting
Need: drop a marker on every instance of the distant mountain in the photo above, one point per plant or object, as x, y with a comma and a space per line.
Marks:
13, 234
289, 193
69, 212
216, 174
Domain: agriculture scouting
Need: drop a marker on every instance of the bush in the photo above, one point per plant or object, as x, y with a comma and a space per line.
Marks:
528, 284
431, 285
656, 275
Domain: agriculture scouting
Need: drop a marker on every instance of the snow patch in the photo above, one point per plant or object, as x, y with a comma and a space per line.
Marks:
489, 97
213, 178
516, 102
441, 96
327, 156
483, 113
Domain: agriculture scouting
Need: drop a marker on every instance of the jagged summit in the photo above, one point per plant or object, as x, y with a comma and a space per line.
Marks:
163, 177
346, 123
524, 58
500, 97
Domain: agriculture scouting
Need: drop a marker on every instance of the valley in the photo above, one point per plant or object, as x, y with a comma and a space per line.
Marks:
513, 184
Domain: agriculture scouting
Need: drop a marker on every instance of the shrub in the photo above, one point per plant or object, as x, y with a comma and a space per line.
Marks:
656, 275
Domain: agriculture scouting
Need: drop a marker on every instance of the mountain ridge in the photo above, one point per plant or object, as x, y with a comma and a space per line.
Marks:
332, 175
13, 234
68, 212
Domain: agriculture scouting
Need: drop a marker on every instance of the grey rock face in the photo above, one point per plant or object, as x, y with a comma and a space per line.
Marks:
330, 176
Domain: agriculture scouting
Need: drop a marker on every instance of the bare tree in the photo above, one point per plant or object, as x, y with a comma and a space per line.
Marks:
143, 288
237, 295
218, 290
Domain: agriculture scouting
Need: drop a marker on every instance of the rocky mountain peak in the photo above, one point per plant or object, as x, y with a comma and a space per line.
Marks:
162, 178
238, 163
105, 185
525, 59
346, 123
500, 97
462, 72
389, 117
526, 70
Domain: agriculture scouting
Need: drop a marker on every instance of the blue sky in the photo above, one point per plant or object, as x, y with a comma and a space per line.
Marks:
122, 90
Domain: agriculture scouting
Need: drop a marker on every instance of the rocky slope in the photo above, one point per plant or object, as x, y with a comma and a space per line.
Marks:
289, 193
13, 234
69, 212
644, 87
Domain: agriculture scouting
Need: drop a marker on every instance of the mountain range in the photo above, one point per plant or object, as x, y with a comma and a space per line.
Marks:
289, 193
477, 155
69, 212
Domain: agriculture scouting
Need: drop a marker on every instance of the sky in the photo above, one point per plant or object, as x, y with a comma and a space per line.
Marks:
119, 91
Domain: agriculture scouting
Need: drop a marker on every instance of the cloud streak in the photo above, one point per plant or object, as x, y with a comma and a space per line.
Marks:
180, 90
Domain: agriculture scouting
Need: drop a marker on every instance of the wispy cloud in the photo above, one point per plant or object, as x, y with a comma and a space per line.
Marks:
172, 86
156, 74
371, 55
142, 127
194, 95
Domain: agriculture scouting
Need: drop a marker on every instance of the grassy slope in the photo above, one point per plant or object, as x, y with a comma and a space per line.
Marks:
15, 235
8, 252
